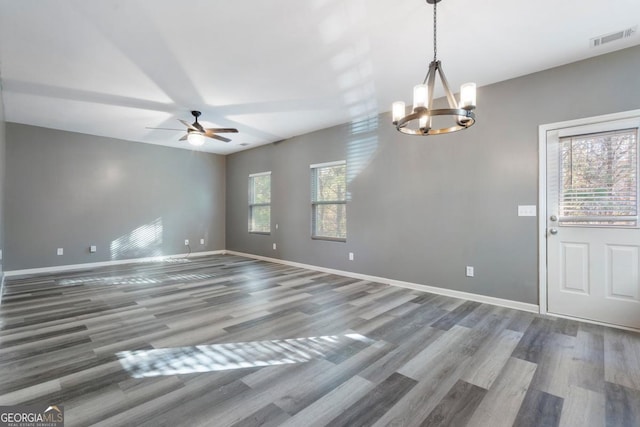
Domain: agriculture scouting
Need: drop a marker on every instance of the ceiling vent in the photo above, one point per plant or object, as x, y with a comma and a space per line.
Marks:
612, 37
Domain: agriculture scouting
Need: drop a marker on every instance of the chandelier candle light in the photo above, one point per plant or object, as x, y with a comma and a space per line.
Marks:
420, 120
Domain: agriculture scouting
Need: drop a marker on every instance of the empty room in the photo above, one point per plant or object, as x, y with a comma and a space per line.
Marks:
319, 213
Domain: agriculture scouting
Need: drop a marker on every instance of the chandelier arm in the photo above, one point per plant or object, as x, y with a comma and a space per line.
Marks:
430, 89
426, 77
431, 83
447, 90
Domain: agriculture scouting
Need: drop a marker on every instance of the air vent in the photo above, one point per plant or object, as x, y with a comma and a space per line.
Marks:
612, 37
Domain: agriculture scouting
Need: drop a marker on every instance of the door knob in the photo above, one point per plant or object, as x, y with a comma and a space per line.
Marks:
553, 231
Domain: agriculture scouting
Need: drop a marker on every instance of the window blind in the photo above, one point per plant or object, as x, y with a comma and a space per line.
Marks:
599, 178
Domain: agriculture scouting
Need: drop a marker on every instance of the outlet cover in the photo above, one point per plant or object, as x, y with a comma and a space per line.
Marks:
350, 256
93, 249
274, 246
186, 242
60, 251
469, 271
202, 241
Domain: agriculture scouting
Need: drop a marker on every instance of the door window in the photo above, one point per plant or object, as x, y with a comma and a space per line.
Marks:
599, 179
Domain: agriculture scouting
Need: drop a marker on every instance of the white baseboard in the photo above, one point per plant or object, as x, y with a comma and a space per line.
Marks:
532, 308
89, 265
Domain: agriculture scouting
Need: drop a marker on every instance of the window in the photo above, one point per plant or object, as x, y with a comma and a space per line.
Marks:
599, 178
329, 201
260, 202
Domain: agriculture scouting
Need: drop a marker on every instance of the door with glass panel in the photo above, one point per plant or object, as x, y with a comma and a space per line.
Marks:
593, 235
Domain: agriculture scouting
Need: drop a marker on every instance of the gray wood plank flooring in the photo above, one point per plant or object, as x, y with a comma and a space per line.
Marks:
230, 341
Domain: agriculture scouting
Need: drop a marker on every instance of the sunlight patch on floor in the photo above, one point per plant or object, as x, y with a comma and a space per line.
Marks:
220, 357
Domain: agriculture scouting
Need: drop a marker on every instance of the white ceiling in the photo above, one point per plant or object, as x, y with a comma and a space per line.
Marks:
273, 69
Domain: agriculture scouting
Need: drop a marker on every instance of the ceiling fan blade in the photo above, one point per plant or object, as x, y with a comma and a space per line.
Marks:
218, 137
221, 130
188, 125
163, 128
184, 138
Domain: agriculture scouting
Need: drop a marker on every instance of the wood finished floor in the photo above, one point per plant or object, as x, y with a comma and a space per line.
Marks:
382, 356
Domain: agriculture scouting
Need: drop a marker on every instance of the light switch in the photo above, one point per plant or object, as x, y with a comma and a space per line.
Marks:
527, 210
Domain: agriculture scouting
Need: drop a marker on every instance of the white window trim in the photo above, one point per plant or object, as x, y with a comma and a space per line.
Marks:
251, 205
253, 175
328, 164
314, 203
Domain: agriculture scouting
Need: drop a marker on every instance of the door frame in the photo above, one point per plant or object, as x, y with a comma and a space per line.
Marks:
542, 192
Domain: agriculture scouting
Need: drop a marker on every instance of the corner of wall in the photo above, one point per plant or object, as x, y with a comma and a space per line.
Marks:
2, 185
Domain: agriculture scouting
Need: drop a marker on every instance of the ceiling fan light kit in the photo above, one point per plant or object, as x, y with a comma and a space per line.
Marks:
195, 138
420, 121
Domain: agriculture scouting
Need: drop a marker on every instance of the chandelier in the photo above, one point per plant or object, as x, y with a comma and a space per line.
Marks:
420, 121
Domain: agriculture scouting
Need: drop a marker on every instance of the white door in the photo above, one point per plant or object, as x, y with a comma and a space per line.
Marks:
593, 234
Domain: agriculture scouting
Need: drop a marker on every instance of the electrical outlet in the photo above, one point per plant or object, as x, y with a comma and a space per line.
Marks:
186, 242
274, 246
202, 241
469, 271
60, 251
0, 254
93, 249
350, 256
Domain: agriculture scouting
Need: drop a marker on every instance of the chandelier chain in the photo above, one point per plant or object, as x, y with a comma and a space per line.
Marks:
435, 31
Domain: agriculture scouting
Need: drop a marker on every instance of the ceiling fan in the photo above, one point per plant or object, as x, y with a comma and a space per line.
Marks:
196, 132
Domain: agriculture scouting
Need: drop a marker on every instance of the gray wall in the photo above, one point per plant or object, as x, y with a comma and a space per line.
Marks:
2, 180
131, 200
422, 209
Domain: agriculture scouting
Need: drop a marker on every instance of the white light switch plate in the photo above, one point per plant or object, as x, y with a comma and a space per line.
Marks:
527, 210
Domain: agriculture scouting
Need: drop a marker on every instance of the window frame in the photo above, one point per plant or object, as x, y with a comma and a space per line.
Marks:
596, 129
253, 205
315, 203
